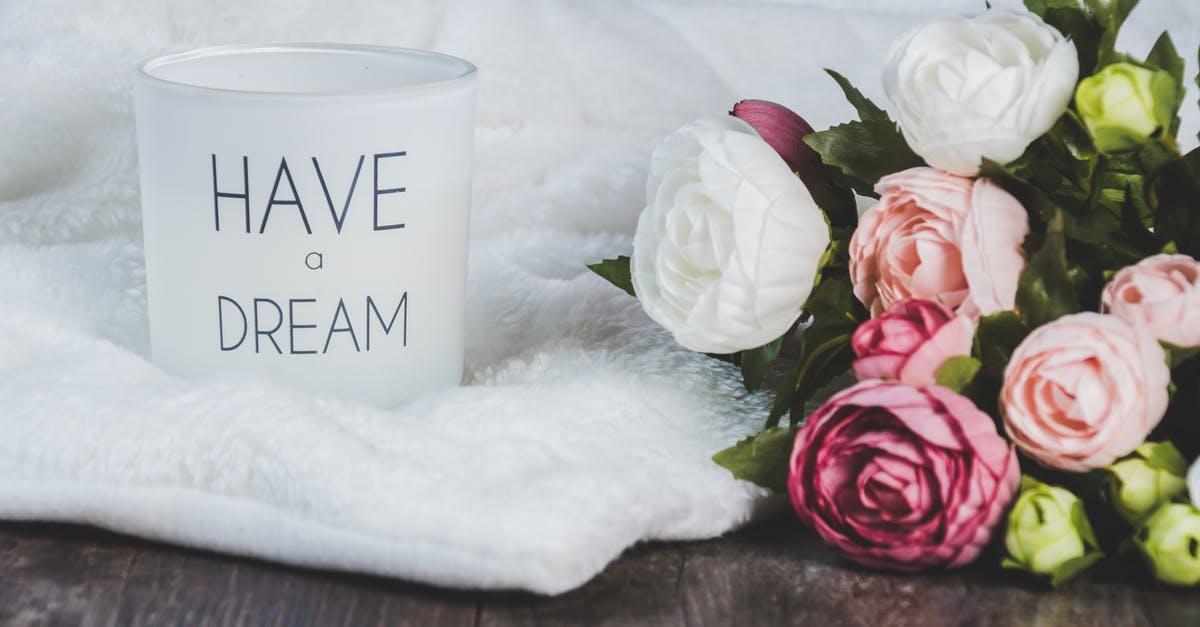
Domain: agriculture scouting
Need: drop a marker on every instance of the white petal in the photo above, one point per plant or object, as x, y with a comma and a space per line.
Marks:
966, 89
727, 248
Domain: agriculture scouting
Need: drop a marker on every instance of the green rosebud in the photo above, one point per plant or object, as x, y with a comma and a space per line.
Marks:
1124, 104
1138, 484
1170, 542
1049, 533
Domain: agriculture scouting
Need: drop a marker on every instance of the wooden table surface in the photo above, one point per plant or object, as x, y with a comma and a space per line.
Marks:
772, 573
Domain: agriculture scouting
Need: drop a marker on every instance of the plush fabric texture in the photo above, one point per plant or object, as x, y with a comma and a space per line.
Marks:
582, 428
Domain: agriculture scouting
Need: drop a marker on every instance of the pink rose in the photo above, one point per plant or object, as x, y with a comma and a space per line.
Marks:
1083, 390
900, 477
1160, 293
939, 237
910, 341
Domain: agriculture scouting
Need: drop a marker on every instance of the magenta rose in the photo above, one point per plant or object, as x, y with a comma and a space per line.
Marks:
910, 341
903, 478
939, 237
1084, 390
1160, 293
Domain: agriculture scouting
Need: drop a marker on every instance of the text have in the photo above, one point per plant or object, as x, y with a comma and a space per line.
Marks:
284, 197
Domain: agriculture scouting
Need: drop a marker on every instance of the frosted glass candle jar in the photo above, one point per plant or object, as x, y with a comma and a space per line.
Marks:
305, 211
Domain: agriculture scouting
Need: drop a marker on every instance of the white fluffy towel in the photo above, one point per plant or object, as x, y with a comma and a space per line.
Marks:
581, 428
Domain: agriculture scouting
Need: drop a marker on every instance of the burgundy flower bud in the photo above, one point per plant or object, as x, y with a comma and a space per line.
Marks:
780, 127
784, 131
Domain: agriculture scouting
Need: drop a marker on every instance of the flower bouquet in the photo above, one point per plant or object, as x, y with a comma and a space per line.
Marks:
1020, 303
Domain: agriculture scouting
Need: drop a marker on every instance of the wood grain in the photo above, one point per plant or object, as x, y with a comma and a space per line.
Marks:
773, 573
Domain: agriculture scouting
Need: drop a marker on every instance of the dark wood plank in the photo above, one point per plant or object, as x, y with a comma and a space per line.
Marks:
777, 573
1173, 606
60, 579
59, 574
781, 575
638, 589
170, 588
774, 573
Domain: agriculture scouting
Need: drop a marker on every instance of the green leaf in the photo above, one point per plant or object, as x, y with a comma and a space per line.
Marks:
1074, 21
1174, 191
1177, 355
615, 271
1011, 564
1092, 25
831, 315
1071, 133
1041, 6
1079, 520
1111, 15
825, 351
1163, 456
756, 362
761, 459
836, 201
816, 367
867, 111
1154, 156
1057, 169
957, 372
864, 152
997, 337
1036, 203
1071, 568
1137, 217
1066, 571
1045, 291
1163, 56
1103, 199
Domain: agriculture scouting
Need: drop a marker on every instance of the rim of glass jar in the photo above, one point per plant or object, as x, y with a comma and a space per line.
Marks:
145, 70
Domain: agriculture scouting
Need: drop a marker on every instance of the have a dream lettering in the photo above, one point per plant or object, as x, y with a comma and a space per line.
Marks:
275, 325
255, 327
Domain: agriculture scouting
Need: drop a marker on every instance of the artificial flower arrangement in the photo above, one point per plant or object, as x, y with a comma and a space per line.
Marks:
1020, 306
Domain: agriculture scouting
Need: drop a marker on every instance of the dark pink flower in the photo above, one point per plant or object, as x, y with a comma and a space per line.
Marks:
902, 478
910, 341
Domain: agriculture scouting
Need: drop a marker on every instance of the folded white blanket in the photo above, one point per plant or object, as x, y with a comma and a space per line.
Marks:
582, 428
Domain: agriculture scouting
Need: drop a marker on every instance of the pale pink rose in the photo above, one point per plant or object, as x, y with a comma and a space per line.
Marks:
899, 477
910, 341
1160, 293
939, 237
1084, 390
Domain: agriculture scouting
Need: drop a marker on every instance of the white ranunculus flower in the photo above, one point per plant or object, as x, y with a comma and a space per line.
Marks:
969, 88
729, 244
1193, 482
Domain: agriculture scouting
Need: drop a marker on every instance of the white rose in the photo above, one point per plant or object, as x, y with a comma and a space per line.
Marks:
729, 244
969, 88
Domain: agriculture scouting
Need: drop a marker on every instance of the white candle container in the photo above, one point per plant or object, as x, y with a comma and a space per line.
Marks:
305, 212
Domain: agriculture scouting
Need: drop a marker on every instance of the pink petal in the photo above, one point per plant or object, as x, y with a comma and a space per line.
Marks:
953, 339
878, 367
